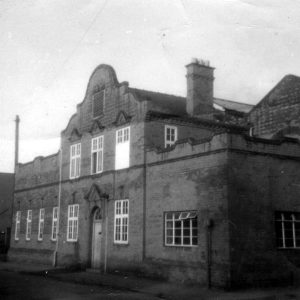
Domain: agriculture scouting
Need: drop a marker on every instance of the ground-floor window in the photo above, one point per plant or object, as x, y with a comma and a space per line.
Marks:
72, 230
287, 225
121, 221
181, 228
54, 223
17, 228
28, 224
41, 224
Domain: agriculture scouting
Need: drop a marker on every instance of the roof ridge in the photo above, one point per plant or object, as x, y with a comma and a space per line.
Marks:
243, 103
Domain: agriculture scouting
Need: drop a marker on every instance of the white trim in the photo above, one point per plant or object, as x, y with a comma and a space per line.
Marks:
75, 160
122, 150
28, 224
282, 234
18, 225
73, 224
54, 223
97, 146
181, 220
41, 224
171, 141
122, 216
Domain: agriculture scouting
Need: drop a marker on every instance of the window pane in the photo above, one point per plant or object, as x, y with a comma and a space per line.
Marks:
177, 240
186, 241
169, 240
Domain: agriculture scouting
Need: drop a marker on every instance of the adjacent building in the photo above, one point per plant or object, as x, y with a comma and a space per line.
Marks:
6, 201
196, 189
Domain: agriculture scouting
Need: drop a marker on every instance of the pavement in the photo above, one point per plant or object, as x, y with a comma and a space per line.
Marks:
157, 288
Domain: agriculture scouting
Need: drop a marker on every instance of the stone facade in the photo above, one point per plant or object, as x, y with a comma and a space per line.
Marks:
6, 199
220, 184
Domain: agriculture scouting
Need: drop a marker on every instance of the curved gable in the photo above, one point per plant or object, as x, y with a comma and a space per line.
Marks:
103, 76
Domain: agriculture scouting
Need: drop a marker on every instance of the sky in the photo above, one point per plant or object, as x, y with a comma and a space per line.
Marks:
48, 50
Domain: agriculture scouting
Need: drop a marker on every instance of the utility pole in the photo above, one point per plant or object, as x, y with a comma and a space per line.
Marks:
17, 142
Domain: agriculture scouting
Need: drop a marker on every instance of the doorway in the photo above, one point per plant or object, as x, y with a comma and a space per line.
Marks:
96, 239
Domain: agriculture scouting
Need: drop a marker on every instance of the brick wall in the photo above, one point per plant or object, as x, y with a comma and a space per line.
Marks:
262, 178
278, 110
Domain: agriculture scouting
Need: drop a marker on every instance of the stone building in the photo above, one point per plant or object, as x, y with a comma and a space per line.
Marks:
195, 189
6, 200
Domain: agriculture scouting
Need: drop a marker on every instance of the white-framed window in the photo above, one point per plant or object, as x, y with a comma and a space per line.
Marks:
75, 159
72, 230
28, 224
97, 155
41, 224
18, 222
122, 148
287, 225
121, 221
98, 103
54, 223
181, 228
170, 135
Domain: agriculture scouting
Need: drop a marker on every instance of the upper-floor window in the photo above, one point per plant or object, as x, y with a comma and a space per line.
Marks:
122, 148
287, 229
170, 135
181, 228
75, 157
72, 230
97, 154
121, 221
17, 228
28, 224
98, 103
54, 223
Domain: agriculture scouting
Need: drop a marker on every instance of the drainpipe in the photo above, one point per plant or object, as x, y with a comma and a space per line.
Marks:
17, 142
58, 205
17, 120
106, 229
209, 225
144, 195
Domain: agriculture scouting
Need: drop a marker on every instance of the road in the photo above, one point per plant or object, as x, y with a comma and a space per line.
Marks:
22, 286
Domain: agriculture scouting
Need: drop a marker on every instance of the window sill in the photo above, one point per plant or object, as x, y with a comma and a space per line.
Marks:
121, 244
72, 241
181, 246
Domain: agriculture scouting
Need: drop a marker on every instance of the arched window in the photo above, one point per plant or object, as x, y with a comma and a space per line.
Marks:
97, 215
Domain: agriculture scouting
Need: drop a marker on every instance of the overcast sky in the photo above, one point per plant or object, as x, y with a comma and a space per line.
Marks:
50, 48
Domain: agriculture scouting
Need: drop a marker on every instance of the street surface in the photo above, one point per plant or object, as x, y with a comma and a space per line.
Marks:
14, 286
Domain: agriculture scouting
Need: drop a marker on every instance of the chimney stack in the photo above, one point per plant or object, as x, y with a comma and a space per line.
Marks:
17, 141
200, 86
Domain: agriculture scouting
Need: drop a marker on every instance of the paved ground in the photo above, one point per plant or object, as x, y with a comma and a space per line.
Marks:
22, 286
20, 281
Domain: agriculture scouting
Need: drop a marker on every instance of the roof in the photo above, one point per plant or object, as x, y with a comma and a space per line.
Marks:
178, 103
232, 105
287, 88
153, 115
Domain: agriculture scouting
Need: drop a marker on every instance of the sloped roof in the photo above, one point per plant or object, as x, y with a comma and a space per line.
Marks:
178, 103
153, 115
232, 105
287, 88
